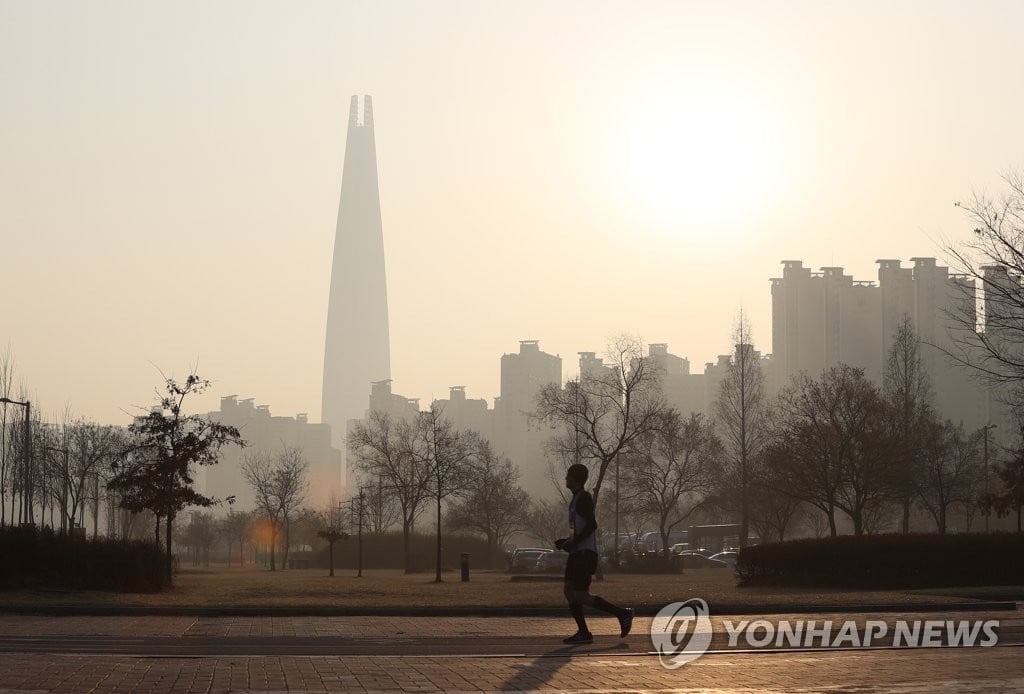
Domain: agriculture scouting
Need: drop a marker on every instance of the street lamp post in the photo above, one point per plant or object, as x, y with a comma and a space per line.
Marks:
359, 574
985, 449
26, 491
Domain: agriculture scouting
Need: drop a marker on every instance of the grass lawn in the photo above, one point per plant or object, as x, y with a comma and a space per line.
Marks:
259, 587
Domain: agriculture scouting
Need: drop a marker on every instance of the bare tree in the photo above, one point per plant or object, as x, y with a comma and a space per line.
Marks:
280, 486
994, 260
833, 441
494, 505
236, 527
670, 469
383, 448
7, 420
92, 449
774, 509
907, 390
950, 470
740, 410
447, 453
200, 535
601, 414
546, 521
381, 511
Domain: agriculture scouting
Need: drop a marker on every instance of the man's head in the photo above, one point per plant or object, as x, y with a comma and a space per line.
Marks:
576, 476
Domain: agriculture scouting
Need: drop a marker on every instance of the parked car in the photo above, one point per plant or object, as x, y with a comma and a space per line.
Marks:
696, 560
552, 562
652, 540
525, 558
729, 557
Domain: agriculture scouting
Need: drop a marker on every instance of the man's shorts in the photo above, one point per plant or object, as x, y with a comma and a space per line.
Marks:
580, 569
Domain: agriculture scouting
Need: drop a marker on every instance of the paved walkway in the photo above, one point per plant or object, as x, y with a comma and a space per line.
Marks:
610, 665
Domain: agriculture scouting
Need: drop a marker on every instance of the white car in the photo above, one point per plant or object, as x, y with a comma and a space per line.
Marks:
729, 557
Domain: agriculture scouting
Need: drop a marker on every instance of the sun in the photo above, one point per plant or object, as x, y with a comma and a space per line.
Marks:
703, 158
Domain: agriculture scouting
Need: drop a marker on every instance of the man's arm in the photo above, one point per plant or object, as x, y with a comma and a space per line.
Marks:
584, 508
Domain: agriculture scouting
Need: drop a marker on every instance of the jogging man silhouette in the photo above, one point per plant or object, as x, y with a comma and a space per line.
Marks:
582, 562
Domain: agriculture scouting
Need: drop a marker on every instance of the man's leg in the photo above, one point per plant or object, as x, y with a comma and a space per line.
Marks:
572, 579
581, 594
623, 614
576, 610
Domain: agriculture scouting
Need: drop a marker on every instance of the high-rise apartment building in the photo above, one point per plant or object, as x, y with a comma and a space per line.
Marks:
522, 377
822, 319
266, 434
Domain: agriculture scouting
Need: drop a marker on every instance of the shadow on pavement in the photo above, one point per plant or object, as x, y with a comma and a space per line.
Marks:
541, 670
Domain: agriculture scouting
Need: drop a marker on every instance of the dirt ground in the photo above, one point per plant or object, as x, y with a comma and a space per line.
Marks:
259, 587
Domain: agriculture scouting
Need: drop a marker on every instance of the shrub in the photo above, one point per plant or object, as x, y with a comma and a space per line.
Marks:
886, 561
31, 558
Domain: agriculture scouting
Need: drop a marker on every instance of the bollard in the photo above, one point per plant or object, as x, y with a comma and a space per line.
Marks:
465, 566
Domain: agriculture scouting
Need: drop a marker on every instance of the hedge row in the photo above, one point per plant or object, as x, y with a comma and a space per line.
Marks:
886, 561
31, 558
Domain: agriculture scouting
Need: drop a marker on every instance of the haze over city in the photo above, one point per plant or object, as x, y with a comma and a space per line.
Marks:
561, 173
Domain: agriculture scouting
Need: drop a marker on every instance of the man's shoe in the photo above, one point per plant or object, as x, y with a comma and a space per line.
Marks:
625, 622
579, 638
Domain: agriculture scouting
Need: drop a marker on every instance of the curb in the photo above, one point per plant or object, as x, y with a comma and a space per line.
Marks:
318, 611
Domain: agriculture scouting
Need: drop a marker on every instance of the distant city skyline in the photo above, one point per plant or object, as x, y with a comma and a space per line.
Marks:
562, 173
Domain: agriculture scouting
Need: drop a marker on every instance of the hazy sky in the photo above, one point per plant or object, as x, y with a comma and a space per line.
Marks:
169, 175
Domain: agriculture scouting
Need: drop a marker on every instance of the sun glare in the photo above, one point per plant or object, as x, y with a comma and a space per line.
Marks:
706, 158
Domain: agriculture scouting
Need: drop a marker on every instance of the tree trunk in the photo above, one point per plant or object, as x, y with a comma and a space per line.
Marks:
158, 530
405, 544
273, 542
287, 543
330, 551
832, 520
437, 571
170, 557
905, 527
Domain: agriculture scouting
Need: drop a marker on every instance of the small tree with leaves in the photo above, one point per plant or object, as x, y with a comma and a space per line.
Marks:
157, 473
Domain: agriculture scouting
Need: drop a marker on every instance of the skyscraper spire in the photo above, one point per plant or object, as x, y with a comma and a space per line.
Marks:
357, 349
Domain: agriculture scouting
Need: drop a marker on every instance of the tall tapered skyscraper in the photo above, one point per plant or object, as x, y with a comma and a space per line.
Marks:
357, 348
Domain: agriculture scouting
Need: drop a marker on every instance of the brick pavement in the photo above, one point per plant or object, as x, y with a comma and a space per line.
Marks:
916, 671
864, 672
